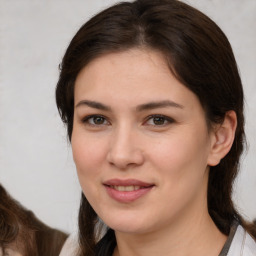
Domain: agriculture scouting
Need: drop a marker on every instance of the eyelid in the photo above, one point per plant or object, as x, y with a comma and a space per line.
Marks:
167, 118
86, 119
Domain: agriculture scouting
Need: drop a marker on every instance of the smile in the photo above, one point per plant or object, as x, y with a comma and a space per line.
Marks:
126, 188
126, 191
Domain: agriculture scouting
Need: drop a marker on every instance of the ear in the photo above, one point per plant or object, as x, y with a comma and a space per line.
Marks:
222, 138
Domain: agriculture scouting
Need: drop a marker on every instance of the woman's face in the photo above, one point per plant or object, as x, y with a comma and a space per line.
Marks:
140, 143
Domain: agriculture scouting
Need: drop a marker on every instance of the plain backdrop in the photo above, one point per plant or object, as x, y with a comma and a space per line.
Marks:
35, 157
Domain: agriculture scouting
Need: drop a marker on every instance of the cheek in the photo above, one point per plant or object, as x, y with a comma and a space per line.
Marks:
88, 154
181, 157
182, 166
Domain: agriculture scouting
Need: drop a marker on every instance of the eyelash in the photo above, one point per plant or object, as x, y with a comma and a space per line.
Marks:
167, 120
86, 120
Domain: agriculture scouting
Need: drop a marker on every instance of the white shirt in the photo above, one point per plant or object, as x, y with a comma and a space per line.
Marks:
70, 248
242, 245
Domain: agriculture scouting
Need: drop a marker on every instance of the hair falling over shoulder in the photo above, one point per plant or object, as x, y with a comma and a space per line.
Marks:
22, 232
198, 54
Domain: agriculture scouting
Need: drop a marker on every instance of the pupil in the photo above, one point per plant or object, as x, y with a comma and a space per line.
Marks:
158, 120
98, 120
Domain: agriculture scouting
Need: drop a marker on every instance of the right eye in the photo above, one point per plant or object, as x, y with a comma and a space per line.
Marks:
95, 120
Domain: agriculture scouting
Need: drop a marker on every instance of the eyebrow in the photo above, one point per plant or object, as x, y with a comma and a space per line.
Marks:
93, 104
142, 107
158, 104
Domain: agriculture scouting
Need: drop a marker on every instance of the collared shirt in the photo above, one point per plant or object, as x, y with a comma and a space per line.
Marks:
239, 243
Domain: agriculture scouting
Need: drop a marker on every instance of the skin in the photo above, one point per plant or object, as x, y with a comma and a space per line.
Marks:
172, 151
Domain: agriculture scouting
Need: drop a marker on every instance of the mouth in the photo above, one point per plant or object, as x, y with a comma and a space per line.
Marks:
126, 191
126, 188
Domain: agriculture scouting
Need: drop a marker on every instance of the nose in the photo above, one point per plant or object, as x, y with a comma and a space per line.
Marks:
124, 150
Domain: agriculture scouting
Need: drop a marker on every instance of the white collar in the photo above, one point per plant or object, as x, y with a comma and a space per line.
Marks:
242, 244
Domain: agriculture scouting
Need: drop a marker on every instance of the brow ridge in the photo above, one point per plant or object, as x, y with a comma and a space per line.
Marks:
93, 104
142, 107
158, 104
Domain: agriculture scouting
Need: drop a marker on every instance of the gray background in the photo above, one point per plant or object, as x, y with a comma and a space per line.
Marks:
35, 158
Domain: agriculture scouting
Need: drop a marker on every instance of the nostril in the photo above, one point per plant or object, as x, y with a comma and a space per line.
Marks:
125, 159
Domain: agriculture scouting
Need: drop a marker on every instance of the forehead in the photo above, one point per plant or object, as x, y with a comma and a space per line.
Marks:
134, 75
128, 63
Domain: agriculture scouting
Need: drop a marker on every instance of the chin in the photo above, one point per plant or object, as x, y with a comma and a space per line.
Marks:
128, 229
128, 225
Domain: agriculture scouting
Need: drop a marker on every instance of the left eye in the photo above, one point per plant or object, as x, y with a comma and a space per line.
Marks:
159, 120
95, 120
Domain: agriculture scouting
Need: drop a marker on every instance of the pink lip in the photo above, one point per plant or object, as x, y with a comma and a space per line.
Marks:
127, 196
128, 182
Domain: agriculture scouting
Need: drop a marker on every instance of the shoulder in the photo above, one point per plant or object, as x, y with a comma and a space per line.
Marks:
242, 244
70, 248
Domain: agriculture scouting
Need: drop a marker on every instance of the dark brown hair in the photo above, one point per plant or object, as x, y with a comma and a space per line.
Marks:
198, 54
20, 229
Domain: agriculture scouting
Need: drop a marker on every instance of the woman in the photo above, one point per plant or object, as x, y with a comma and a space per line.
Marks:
22, 234
153, 104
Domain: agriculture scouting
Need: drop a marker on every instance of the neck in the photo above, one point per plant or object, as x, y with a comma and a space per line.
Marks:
199, 236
